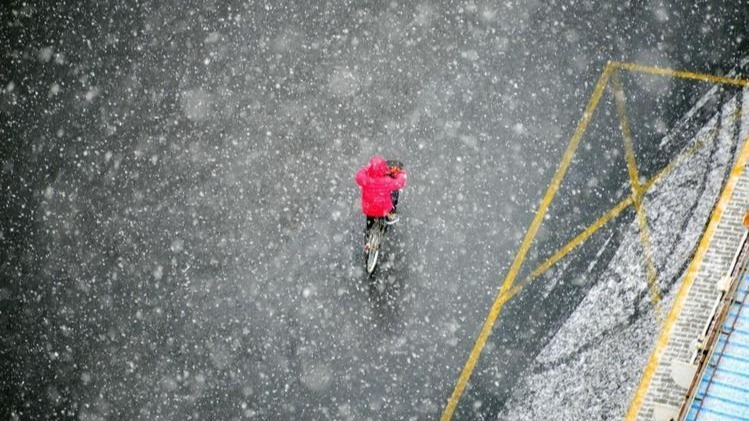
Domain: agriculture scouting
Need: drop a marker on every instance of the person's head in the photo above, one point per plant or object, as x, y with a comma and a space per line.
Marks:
378, 167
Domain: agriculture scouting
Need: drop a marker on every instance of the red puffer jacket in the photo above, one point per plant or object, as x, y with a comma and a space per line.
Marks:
376, 185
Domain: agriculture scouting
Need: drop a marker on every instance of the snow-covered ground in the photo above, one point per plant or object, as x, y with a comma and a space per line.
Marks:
179, 230
590, 367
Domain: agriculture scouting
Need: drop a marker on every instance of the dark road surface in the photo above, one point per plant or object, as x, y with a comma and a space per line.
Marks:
180, 232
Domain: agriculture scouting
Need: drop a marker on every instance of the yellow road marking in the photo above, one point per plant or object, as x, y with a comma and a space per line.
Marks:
673, 164
599, 223
637, 195
681, 296
660, 71
611, 214
580, 238
508, 291
614, 212
496, 308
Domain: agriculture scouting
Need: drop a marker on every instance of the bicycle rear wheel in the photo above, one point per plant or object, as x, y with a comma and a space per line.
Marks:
372, 260
374, 239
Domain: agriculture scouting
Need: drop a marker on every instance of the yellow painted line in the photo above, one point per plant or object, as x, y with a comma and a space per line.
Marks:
661, 71
594, 227
681, 297
687, 153
637, 195
507, 291
673, 164
611, 214
616, 210
496, 308
580, 238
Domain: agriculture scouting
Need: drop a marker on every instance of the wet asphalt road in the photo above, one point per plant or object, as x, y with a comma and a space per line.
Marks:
180, 228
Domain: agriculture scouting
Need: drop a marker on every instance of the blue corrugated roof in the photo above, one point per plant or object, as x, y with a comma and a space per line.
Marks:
723, 391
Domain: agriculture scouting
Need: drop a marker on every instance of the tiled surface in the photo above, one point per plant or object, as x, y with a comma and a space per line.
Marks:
703, 293
723, 391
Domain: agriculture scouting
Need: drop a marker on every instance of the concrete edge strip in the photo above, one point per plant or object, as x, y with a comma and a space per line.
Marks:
680, 300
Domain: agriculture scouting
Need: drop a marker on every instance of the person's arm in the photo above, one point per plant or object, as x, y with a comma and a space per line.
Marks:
361, 176
399, 180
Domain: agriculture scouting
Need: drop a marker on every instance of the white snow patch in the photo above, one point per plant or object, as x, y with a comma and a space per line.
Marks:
49, 192
316, 376
177, 245
158, 272
424, 15
656, 85
196, 104
471, 55
343, 83
54, 89
92, 94
660, 11
212, 38
45, 54
488, 14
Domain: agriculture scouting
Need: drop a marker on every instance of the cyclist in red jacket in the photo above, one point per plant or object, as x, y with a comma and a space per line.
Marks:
379, 184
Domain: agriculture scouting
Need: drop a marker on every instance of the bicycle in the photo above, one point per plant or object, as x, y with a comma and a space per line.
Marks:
375, 233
